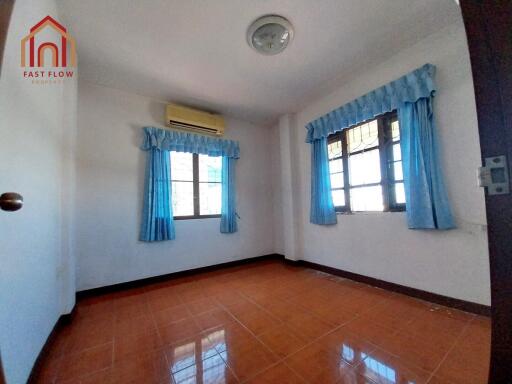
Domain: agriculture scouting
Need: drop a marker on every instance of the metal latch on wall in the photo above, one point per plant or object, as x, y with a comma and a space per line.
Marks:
494, 175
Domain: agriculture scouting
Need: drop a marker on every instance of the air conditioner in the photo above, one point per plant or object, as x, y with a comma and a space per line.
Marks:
193, 120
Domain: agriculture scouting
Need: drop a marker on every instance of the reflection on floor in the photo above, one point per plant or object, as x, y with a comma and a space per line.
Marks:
267, 323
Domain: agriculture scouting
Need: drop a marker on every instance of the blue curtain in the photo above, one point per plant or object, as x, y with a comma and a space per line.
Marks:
157, 219
169, 140
407, 89
228, 217
322, 207
412, 95
427, 202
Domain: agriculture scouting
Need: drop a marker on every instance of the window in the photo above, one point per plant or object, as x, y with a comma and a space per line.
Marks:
365, 166
196, 185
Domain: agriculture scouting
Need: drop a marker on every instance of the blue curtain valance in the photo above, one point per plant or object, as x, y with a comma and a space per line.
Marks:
409, 88
169, 140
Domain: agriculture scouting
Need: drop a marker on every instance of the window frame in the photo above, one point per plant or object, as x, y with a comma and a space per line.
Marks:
196, 195
385, 147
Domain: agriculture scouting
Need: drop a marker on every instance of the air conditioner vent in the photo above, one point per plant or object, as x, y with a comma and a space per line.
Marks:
189, 119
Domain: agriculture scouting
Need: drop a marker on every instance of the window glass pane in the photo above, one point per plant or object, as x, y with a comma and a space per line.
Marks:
364, 168
182, 198
395, 130
397, 166
338, 197
397, 154
336, 166
210, 198
363, 136
337, 180
366, 198
181, 166
334, 149
399, 193
210, 168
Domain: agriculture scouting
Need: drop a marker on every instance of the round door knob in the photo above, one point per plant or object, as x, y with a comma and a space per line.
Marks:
11, 201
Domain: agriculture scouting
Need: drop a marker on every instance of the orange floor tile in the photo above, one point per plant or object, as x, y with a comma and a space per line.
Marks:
266, 323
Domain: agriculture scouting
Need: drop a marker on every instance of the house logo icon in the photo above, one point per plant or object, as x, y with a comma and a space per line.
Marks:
63, 50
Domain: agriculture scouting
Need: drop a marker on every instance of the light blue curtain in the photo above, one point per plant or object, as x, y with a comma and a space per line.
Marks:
228, 223
157, 219
427, 202
407, 89
322, 208
169, 140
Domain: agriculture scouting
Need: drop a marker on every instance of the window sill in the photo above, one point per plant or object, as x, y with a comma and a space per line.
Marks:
369, 212
197, 217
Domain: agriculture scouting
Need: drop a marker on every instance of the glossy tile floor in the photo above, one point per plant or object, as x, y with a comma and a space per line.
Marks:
267, 323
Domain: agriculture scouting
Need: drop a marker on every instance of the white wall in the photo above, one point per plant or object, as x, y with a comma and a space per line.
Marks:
277, 201
110, 171
37, 128
453, 263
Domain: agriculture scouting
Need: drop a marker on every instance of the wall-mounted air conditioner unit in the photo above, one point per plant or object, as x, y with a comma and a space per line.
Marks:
194, 120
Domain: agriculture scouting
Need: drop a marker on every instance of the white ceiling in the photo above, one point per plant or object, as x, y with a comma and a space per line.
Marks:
195, 51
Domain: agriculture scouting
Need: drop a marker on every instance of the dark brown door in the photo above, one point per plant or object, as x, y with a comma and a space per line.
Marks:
489, 31
2, 378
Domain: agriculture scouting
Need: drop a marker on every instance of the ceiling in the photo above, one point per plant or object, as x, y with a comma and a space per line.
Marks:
195, 52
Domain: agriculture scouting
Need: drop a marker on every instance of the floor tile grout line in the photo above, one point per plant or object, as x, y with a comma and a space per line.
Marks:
401, 330
91, 372
449, 351
216, 350
157, 330
60, 360
294, 371
201, 331
112, 352
254, 335
91, 347
358, 315
250, 299
338, 283
280, 360
429, 304
152, 313
311, 312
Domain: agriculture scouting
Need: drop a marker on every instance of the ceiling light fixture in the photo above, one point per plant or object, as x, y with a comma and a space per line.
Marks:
270, 34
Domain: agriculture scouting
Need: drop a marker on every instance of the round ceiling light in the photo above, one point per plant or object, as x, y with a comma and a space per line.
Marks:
269, 35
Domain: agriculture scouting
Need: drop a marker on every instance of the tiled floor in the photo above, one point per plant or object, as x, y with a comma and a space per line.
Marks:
267, 323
